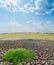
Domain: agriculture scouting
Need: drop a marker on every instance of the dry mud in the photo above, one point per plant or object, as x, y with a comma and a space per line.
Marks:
44, 49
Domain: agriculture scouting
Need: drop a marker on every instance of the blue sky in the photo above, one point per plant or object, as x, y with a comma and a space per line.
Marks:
26, 16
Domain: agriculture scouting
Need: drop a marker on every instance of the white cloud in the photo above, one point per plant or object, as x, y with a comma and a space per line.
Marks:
52, 4
8, 27
41, 7
14, 24
11, 23
11, 5
29, 26
46, 27
38, 9
48, 12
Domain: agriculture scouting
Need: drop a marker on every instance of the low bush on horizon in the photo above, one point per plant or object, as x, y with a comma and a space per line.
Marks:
29, 39
19, 55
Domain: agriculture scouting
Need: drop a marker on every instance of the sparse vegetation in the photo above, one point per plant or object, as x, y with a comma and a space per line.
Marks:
19, 55
28, 36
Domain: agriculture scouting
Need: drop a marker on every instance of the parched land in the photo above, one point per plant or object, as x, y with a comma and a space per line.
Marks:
44, 49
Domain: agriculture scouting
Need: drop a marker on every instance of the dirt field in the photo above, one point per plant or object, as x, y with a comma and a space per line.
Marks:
43, 48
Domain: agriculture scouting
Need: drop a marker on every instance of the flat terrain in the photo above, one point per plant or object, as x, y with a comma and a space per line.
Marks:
27, 36
44, 49
41, 44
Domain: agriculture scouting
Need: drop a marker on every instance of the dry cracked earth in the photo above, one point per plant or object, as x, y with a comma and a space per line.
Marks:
44, 50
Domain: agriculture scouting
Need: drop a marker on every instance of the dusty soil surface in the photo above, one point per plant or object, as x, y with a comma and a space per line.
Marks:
44, 49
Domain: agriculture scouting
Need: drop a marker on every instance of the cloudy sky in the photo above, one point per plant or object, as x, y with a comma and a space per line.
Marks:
26, 16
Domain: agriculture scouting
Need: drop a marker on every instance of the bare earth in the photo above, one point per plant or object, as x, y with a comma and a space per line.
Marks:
43, 48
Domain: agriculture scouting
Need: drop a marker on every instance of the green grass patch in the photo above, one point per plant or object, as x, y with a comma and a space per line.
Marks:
19, 55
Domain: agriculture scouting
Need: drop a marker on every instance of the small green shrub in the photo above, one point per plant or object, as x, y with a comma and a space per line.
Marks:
19, 55
29, 39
